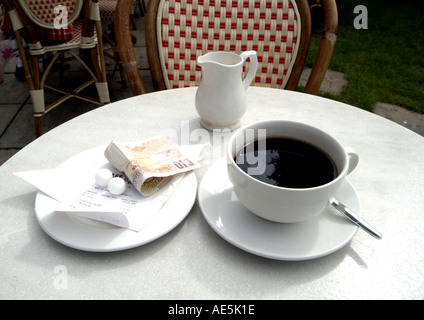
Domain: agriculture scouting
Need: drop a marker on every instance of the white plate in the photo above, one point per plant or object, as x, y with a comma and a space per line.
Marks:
89, 235
311, 239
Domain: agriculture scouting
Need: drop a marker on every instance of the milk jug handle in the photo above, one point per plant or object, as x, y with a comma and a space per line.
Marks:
252, 68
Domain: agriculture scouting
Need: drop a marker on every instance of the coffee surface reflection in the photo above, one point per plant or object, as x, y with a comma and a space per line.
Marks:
289, 163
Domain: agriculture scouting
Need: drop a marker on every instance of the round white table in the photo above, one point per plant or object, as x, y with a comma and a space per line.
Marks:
192, 261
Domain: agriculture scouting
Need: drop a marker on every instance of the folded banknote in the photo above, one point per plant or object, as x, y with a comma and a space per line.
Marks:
150, 164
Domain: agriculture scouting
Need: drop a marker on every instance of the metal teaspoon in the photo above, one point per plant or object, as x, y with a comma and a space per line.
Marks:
355, 218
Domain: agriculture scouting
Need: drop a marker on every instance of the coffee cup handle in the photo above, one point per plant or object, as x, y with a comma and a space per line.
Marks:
353, 159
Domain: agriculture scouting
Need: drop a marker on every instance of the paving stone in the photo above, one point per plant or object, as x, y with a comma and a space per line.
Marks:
11, 65
409, 119
141, 54
13, 91
5, 154
334, 81
20, 131
8, 112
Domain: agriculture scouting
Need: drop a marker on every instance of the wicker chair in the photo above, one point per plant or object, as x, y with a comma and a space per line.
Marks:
29, 19
177, 32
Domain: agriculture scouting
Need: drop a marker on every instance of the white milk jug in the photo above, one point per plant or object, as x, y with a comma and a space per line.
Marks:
221, 95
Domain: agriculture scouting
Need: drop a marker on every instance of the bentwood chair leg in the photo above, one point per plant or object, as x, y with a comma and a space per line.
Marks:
134, 24
35, 64
95, 64
38, 126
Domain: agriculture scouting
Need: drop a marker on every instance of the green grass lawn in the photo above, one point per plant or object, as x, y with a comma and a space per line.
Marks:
384, 62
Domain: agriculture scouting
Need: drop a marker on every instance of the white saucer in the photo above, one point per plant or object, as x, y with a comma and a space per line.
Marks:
89, 235
311, 239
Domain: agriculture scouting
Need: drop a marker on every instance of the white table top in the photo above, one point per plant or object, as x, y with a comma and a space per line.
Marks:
194, 262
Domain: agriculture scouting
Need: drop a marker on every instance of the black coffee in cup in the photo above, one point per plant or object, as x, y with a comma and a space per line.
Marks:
289, 163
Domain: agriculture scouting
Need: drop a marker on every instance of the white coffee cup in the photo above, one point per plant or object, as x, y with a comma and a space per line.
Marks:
281, 204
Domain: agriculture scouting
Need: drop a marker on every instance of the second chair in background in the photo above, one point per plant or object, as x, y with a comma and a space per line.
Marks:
55, 29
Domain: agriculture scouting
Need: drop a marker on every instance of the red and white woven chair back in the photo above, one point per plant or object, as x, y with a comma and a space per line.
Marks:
188, 29
45, 12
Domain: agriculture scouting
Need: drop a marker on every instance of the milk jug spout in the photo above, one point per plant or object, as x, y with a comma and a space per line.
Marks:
221, 95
